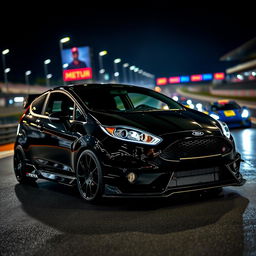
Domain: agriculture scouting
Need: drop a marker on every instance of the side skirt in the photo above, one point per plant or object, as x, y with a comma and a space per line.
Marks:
60, 178
33, 172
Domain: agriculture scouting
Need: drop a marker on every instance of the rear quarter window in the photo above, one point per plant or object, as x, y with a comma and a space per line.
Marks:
38, 104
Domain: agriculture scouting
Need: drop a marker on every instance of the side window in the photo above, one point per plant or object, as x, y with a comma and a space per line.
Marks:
59, 102
78, 115
38, 104
119, 103
139, 99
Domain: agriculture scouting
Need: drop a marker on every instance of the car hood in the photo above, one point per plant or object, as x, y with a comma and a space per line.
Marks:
159, 122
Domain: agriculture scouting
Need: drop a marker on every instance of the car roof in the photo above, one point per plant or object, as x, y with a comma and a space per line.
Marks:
95, 85
223, 102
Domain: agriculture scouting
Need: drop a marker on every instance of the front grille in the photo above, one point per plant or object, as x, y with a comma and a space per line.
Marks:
197, 176
196, 147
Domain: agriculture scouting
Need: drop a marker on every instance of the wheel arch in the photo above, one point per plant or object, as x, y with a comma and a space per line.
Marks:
88, 146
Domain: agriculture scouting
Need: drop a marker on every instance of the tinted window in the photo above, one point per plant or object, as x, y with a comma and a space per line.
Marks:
59, 102
119, 103
144, 102
125, 99
38, 104
78, 115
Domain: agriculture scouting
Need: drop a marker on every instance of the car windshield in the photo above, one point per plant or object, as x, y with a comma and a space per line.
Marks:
228, 106
125, 99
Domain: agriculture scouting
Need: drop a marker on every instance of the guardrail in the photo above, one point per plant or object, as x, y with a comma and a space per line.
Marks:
8, 133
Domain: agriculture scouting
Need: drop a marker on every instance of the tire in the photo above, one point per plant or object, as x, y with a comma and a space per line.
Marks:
89, 176
19, 165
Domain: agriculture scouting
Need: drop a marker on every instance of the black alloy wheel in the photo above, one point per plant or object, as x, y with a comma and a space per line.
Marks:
89, 176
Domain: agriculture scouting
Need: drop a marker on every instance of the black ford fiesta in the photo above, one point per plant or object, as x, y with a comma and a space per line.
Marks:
122, 141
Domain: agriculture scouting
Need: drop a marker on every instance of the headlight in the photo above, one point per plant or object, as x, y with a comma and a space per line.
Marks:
225, 129
199, 107
191, 106
131, 135
245, 113
216, 117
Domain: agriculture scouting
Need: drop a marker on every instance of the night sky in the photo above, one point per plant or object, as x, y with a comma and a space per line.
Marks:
163, 38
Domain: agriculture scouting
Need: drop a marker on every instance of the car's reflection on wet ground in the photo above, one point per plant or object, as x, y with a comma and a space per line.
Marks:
50, 218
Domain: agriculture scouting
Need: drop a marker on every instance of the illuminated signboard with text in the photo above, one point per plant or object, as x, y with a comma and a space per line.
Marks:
196, 78
207, 77
184, 79
193, 78
77, 74
76, 64
174, 80
161, 81
219, 76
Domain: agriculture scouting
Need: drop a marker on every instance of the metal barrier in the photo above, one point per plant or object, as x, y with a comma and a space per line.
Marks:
8, 133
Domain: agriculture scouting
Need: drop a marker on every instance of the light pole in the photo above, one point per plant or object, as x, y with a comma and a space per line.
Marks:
136, 69
61, 42
131, 73
27, 74
101, 69
49, 76
46, 62
116, 73
125, 65
141, 80
6, 71
4, 52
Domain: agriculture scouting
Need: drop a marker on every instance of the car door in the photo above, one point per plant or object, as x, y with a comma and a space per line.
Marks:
55, 153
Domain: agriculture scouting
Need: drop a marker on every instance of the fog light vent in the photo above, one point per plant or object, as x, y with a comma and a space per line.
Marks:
131, 176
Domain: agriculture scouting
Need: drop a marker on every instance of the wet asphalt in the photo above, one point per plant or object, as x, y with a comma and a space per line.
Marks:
51, 219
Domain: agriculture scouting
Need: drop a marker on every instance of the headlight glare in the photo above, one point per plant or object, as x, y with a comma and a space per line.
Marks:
225, 129
132, 135
245, 113
216, 117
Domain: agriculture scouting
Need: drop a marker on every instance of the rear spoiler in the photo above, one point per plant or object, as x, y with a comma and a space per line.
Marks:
28, 99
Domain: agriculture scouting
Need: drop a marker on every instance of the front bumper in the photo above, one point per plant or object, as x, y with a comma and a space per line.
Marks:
163, 179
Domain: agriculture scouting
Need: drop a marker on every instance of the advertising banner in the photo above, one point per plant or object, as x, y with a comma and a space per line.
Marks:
76, 64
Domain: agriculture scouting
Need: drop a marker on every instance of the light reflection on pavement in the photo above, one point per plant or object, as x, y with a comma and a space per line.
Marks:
245, 140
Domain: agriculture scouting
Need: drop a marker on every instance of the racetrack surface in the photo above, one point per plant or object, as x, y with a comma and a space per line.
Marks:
51, 219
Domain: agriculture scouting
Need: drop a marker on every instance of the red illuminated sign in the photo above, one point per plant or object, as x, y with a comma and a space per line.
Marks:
161, 81
219, 76
196, 78
174, 80
77, 74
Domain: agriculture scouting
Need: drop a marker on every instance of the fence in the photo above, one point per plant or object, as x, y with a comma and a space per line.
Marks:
8, 133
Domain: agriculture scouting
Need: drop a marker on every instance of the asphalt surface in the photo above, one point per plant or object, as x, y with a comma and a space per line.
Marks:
51, 219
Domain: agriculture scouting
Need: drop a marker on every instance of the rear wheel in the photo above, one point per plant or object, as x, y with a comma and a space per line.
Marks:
89, 176
19, 165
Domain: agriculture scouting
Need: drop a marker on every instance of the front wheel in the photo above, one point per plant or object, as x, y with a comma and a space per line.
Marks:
89, 176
